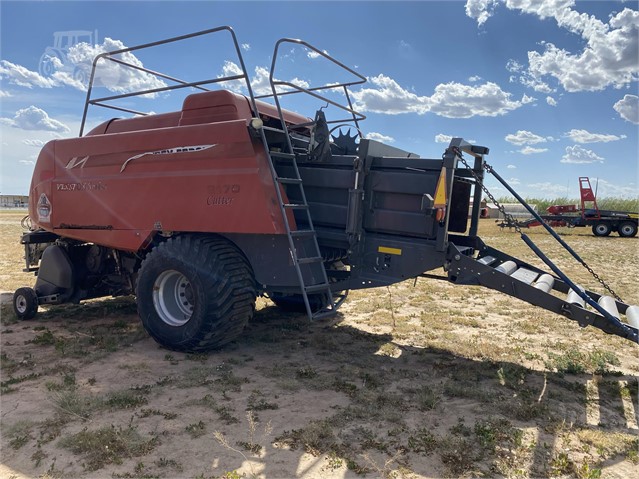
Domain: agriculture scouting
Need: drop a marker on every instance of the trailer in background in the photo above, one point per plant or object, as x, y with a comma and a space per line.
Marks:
602, 222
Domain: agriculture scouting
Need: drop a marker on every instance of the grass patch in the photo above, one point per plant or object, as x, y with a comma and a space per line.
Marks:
316, 438
125, 400
196, 430
574, 361
108, 445
225, 413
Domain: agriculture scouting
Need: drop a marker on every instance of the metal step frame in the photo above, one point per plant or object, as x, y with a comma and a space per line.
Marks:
303, 244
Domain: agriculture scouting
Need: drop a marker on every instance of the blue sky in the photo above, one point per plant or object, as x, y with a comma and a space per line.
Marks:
549, 86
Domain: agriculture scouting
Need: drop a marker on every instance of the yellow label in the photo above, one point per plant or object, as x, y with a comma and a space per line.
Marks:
440, 191
387, 250
632, 215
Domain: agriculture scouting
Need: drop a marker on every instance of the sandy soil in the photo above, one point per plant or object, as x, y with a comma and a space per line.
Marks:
425, 380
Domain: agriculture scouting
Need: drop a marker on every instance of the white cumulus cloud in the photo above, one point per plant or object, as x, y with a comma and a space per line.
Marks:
36, 143
76, 69
380, 137
21, 76
578, 155
480, 10
584, 136
551, 101
609, 55
525, 137
529, 150
511, 167
450, 100
628, 108
441, 138
34, 118
260, 82
313, 54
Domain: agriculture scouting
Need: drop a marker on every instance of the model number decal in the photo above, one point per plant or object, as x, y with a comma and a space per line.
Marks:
88, 186
218, 195
223, 189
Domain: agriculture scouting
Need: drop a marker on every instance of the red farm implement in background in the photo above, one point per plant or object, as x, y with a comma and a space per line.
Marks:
602, 222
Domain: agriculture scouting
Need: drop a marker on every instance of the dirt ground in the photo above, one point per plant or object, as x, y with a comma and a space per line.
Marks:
420, 379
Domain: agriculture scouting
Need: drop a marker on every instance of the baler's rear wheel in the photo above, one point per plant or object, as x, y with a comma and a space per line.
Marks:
195, 293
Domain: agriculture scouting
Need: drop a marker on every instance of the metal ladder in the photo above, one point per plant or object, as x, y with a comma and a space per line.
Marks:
303, 244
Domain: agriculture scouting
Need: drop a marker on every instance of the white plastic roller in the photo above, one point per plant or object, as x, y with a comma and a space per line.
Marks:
632, 316
574, 298
545, 282
609, 304
507, 267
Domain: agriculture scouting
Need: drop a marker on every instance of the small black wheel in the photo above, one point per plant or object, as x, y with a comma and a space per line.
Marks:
627, 229
601, 229
195, 293
25, 303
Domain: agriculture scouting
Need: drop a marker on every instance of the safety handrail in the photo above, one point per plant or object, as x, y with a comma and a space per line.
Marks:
294, 89
109, 56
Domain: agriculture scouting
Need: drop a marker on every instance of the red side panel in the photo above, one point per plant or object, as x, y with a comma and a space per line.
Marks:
208, 107
118, 189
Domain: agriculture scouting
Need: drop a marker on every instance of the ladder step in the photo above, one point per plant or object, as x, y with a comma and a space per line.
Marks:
316, 288
282, 155
295, 206
270, 128
312, 259
302, 233
290, 181
325, 313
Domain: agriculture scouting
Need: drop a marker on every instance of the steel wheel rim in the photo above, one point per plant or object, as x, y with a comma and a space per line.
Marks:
627, 229
601, 228
21, 304
173, 298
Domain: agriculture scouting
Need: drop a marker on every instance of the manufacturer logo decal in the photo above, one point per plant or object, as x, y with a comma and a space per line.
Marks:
44, 209
76, 161
169, 151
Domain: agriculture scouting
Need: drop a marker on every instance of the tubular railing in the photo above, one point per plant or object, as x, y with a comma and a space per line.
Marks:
294, 88
110, 56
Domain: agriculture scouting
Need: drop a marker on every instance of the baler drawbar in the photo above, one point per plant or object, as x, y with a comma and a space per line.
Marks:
198, 211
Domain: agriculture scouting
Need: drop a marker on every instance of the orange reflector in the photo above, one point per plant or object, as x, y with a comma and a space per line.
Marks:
440, 214
441, 190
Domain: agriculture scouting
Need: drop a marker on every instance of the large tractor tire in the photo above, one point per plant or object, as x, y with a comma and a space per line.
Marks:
627, 229
195, 293
601, 229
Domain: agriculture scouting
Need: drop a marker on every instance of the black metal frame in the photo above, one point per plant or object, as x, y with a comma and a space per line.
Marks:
295, 89
110, 56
